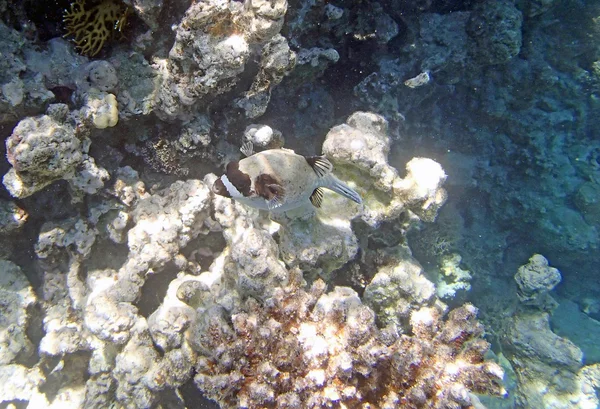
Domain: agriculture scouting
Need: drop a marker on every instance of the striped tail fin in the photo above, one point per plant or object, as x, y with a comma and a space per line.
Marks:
332, 183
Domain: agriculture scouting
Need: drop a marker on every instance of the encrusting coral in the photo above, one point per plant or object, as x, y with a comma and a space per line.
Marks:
92, 27
312, 349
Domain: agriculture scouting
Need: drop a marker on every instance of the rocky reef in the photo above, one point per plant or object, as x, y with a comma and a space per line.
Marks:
249, 328
549, 368
469, 129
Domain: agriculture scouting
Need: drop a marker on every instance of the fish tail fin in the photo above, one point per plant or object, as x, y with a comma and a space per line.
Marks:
333, 183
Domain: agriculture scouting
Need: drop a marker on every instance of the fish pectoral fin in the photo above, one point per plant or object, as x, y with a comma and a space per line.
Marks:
320, 165
274, 203
247, 148
317, 197
276, 195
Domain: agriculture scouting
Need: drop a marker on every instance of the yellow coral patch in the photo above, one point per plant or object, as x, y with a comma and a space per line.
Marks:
91, 28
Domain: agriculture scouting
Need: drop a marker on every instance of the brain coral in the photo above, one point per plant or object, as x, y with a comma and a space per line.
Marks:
312, 349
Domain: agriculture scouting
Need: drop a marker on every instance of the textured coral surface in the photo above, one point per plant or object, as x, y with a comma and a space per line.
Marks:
470, 129
312, 349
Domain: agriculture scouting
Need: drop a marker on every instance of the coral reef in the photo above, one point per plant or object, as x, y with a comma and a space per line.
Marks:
93, 324
91, 27
325, 350
469, 128
249, 326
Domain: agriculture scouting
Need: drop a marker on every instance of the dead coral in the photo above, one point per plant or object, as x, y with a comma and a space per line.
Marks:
162, 157
92, 27
315, 349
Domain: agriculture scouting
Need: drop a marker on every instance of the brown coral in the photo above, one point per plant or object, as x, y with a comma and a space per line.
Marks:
92, 27
315, 349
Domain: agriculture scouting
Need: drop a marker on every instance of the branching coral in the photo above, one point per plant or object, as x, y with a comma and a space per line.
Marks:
311, 349
91, 28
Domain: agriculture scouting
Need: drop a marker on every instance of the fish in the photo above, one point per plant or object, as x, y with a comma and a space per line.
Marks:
279, 180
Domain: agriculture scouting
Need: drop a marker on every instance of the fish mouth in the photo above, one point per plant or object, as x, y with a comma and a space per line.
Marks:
219, 188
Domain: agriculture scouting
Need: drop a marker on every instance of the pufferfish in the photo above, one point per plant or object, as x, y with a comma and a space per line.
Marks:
279, 180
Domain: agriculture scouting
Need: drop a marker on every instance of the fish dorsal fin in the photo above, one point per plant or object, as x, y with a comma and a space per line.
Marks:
247, 148
320, 165
317, 197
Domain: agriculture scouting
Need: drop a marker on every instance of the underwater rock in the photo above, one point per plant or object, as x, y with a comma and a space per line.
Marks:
310, 65
344, 24
17, 297
201, 64
196, 138
133, 371
318, 243
255, 263
148, 11
214, 41
71, 235
128, 187
546, 364
60, 64
359, 150
587, 200
88, 180
397, 289
533, 8
48, 148
138, 84
443, 46
421, 189
98, 74
93, 323
22, 89
549, 368
170, 321
12, 217
569, 321
263, 136
495, 28
41, 150
276, 61
19, 383
178, 213
535, 280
